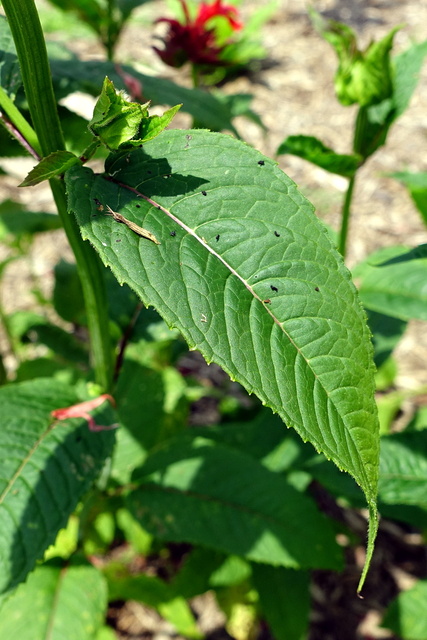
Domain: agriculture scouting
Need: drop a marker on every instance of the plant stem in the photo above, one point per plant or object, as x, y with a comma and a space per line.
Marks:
28, 37
345, 217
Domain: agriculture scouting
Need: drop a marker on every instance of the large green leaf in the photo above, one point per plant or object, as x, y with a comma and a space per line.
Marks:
199, 491
45, 470
392, 282
69, 601
403, 469
249, 276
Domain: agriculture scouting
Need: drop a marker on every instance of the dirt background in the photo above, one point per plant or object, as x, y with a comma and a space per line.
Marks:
294, 94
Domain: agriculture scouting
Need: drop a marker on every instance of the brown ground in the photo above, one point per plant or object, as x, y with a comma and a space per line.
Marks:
294, 94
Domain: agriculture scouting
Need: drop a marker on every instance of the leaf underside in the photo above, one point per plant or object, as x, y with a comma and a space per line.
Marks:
248, 275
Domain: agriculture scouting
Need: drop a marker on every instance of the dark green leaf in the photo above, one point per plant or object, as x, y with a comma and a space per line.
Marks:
67, 293
285, 600
314, 151
73, 75
386, 335
403, 469
196, 491
16, 221
10, 74
46, 469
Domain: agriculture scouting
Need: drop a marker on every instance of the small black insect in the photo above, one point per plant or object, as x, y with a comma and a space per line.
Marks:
158, 207
173, 234
277, 234
118, 240
148, 171
273, 288
204, 193
217, 237
261, 163
138, 206
316, 289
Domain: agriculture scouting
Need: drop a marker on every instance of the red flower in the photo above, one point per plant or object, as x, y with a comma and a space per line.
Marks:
193, 41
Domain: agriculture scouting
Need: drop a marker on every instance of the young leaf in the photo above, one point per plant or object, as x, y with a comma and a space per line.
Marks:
118, 122
71, 602
364, 77
314, 151
185, 493
54, 164
46, 469
249, 276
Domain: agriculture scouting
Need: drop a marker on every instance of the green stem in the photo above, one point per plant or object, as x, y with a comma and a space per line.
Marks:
28, 37
19, 127
345, 217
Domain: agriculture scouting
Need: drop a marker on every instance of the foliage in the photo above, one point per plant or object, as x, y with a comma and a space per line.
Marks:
230, 255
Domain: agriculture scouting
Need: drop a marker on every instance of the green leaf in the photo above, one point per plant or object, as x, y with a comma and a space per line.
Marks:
32, 327
74, 74
406, 614
125, 585
67, 293
10, 74
407, 67
54, 164
45, 471
248, 275
201, 492
284, 597
314, 151
16, 221
70, 601
392, 282
416, 183
403, 469
386, 335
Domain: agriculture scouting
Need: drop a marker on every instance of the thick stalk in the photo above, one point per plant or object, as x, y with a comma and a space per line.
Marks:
28, 37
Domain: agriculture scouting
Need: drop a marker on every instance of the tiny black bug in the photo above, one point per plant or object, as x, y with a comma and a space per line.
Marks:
277, 234
316, 289
217, 237
138, 206
173, 234
204, 193
273, 288
261, 163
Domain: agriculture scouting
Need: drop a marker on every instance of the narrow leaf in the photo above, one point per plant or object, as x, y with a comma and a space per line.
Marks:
315, 151
54, 164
